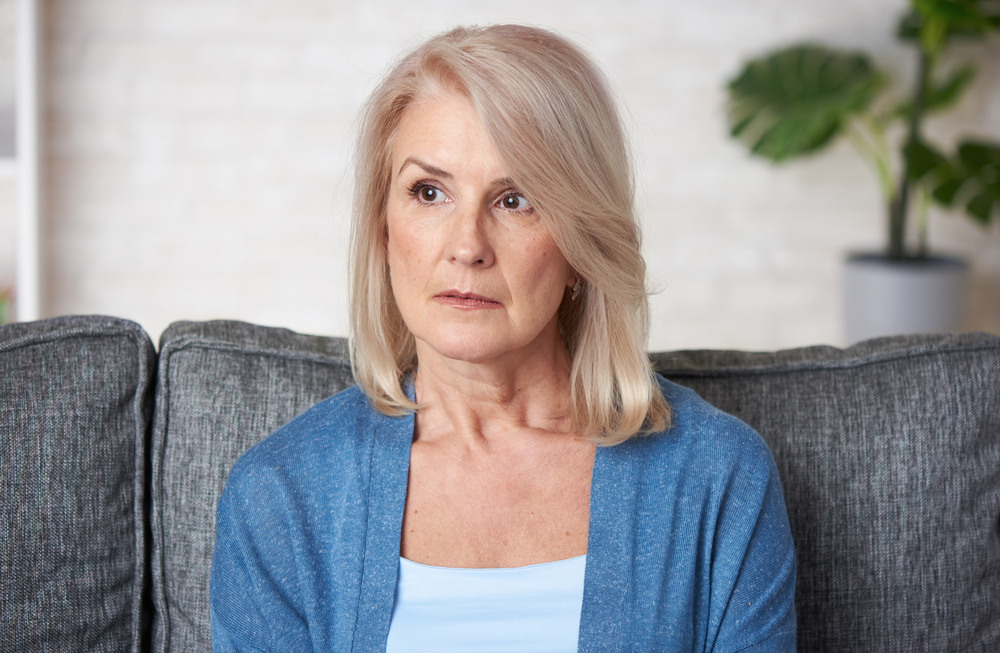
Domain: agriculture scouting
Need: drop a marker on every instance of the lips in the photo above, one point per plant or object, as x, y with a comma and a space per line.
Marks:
466, 300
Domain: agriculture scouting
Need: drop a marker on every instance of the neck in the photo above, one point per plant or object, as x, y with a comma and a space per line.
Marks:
522, 394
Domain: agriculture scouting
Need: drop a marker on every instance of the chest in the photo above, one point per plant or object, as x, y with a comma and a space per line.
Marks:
495, 512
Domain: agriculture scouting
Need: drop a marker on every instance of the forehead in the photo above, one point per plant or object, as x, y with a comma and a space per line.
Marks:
444, 127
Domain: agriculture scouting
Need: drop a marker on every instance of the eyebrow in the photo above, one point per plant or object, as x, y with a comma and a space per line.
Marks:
438, 172
434, 170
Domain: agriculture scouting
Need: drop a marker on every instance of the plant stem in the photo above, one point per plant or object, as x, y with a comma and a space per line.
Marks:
881, 155
899, 206
866, 135
923, 211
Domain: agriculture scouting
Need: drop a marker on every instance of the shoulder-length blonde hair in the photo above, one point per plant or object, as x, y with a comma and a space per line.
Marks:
555, 127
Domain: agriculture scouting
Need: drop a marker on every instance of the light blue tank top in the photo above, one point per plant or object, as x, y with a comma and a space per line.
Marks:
524, 609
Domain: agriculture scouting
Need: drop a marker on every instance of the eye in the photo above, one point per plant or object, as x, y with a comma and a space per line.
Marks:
513, 201
426, 193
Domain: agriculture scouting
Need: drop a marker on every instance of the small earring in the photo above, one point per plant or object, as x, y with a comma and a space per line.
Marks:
575, 292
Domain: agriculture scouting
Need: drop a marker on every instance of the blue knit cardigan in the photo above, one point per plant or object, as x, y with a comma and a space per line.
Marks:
688, 549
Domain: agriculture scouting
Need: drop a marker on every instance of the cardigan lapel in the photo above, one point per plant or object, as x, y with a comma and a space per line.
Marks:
608, 582
389, 464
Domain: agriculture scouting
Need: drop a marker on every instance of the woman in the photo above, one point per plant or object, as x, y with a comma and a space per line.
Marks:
507, 474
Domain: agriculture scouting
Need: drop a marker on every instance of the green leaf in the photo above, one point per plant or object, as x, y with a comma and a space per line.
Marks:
946, 190
945, 94
978, 157
981, 205
954, 14
922, 159
932, 22
795, 101
909, 26
973, 174
933, 30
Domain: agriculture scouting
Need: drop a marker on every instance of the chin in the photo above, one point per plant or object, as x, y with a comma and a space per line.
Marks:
470, 345
480, 342
467, 352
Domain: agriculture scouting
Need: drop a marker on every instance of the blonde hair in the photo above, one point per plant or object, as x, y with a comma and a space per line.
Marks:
555, 128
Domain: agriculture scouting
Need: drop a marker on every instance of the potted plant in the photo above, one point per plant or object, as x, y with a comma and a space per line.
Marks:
797, 100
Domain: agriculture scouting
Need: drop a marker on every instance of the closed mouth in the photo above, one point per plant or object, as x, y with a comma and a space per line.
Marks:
466, 299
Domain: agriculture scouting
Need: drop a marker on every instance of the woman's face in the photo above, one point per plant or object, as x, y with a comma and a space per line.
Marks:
475, 272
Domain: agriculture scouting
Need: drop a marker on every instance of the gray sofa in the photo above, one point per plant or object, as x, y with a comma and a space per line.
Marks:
112, 456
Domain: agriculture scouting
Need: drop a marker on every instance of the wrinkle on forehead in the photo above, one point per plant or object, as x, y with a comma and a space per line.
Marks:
429, 147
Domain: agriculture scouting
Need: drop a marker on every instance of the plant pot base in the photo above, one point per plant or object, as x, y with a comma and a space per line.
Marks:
884, 297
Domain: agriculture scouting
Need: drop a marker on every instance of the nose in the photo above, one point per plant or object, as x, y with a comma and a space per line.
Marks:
468, 242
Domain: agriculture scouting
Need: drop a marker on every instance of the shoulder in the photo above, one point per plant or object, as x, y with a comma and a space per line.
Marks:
292, 527
317, 443
703, 434
695, 515
705, 458
734, 494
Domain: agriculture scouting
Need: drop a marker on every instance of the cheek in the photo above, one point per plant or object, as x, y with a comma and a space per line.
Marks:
404, 254
548, 275
396, 243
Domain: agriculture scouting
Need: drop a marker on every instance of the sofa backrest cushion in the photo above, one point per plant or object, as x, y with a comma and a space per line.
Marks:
889, 455
222, 386
75, 400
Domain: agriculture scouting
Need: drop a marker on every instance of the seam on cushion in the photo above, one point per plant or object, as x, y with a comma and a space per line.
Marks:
158, 445
31, 339
146, 387
918, 351
189, 342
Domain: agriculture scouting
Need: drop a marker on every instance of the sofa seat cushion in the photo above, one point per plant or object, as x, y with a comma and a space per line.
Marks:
889, 455
75, 400
222, 386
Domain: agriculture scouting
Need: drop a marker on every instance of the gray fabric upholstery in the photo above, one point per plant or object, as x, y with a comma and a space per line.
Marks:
889, 454
222, 387
74, 414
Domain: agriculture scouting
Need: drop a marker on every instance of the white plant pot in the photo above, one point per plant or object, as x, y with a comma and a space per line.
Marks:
883, 297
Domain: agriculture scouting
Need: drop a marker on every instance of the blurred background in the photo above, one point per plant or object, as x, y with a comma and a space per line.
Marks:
196, 157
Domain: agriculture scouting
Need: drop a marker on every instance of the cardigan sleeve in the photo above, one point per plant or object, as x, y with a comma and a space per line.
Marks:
253, 592
759, 613
307, 545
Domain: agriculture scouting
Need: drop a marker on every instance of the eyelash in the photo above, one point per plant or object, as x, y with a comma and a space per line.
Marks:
418, 187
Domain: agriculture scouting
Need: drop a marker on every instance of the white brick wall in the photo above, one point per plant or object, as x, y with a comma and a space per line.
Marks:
198, 158
8, 225
8, 183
